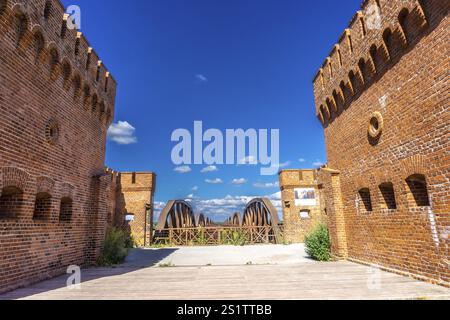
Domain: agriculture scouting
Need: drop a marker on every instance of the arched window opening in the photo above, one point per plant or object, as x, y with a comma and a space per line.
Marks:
42, 206
39, 44
97, 76
340, 57
54, 59
47, 9
387, 41
67, 71
88, 61
373, 56
365, 199
343, 91
388, 196
352, 82
403, 27
102, 110
363, 26
77, 47
22, 27
362, 70
422, 9
11, 201
108, 116
106, 83
325, 112
63, 29
330, 68
331, 107
418, 191
65, 210
350, 42
94, 103
2, 6
76, 86
338, 99
86, 95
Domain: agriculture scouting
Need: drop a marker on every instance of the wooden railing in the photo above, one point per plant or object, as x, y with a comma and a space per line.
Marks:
213, 236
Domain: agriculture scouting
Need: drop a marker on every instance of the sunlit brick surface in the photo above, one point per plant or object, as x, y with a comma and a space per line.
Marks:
384, 106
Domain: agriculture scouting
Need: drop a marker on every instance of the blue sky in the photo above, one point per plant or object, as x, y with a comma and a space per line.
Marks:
229, 63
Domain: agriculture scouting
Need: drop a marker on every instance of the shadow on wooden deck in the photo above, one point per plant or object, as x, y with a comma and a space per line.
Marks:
137, 259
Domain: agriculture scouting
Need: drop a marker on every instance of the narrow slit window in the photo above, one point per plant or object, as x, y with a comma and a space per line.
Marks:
418, 191
388, 200
47, 10
42, 206
65, 210
365, 199
11, 202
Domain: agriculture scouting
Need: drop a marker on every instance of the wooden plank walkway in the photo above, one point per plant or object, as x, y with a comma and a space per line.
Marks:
142, 279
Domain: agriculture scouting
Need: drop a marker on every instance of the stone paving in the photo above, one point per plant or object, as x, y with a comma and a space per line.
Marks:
222, 273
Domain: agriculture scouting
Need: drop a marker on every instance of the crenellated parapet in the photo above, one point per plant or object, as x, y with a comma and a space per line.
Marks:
40, 27
375, 39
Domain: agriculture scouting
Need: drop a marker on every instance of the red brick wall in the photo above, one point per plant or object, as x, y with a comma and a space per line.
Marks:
408, 86
52, 141
297, 227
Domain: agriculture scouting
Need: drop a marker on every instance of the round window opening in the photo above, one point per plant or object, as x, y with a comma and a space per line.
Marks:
52, 132
376, 125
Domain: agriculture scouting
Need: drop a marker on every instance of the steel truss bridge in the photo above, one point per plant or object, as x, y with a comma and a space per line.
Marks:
179, 225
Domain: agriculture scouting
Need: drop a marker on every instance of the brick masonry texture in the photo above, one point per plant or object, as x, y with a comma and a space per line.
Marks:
300, 220
135, 191
56, 103
383, 99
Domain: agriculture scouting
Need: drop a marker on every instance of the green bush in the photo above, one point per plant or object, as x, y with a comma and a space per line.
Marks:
239, 238
318, 244
201, 238
115, 248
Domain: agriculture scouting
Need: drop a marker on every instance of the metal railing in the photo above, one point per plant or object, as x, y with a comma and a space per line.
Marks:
218, 235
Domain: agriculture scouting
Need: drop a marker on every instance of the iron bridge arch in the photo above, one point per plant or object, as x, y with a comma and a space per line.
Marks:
177, 214
260, 212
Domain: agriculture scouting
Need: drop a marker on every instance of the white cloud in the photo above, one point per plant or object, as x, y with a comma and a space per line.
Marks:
239, 182
122, 133
201, 78
158, 207
285, 164
194, 188
209, 169
250, 160
215, 181
318, 163
222, 208
301, 160
266, 185
183, 169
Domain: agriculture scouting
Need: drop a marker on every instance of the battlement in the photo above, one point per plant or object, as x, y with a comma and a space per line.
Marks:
41, 26
376, 38
138, 180
132, 180
296, 178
